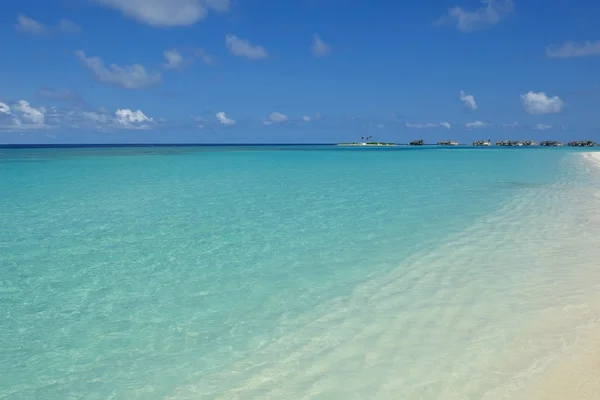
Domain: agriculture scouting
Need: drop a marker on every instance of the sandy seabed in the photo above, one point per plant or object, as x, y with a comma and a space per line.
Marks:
576, 375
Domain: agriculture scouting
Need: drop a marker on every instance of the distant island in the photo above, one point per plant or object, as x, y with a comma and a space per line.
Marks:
368, 141
447, 143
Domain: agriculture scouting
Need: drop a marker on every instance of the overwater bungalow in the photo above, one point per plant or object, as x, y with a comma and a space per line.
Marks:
447, 143
482, 142
551, 143
582, 143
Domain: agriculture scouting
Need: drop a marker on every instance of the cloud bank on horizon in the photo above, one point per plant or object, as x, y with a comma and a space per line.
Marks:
253, 67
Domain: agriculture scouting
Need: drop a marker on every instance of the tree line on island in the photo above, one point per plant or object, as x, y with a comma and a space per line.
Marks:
368, 141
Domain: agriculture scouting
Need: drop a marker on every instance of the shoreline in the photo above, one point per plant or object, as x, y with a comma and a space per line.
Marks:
532, 337
575, 373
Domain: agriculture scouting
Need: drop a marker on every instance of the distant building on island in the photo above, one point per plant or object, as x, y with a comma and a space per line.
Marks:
515, 143
551, 143
482, 143
447, 143
582, 143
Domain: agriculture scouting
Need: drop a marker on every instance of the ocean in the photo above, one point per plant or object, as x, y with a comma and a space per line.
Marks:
295, 272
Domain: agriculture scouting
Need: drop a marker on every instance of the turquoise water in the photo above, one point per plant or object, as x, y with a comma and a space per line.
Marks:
285, 272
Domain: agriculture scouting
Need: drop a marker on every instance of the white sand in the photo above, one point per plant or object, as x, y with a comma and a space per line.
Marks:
593, 157
576, 375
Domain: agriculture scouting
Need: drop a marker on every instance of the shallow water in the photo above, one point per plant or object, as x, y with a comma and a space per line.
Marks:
308, 272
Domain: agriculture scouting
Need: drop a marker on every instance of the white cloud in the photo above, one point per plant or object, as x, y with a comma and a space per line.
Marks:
222, 118
489, 14
30, 114
173, 59
319, 48
476, 124
132, 119
542, 127
511, 125
429, 125
29, 25
128, 76
572, 49
243, 48
468, 100
23, 116
277, 117
4, 109
164, 13
306, 118
539, 103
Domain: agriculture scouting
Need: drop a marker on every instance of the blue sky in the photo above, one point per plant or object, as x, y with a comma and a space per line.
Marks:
225, 71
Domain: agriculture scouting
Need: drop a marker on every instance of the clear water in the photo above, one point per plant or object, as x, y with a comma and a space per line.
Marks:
292, 272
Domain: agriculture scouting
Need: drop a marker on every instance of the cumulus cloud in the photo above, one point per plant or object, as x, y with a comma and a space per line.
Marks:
28, 25
542, 127
4, 109
429, 125
540, 103
573, 49
30, 114
223, 119
127, 76
468, 100
21, 115
511, 125
132, 119
277, 117
173, 59
243, 48
490, 13
319, 48
165, 13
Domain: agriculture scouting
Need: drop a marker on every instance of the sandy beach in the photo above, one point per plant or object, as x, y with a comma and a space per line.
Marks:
575, 375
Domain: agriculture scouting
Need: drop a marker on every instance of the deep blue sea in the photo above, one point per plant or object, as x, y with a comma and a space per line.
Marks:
292, 272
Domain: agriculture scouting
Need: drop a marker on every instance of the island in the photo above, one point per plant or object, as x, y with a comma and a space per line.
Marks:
417, 142
515, 143
551, 143
367, 141
582, 143
447, 143
484, 143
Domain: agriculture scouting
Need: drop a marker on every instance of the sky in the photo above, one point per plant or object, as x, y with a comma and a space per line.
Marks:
298, 71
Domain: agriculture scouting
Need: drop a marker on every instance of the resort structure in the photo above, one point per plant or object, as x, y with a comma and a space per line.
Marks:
447, 143
551, 143
582, 143
485, 143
